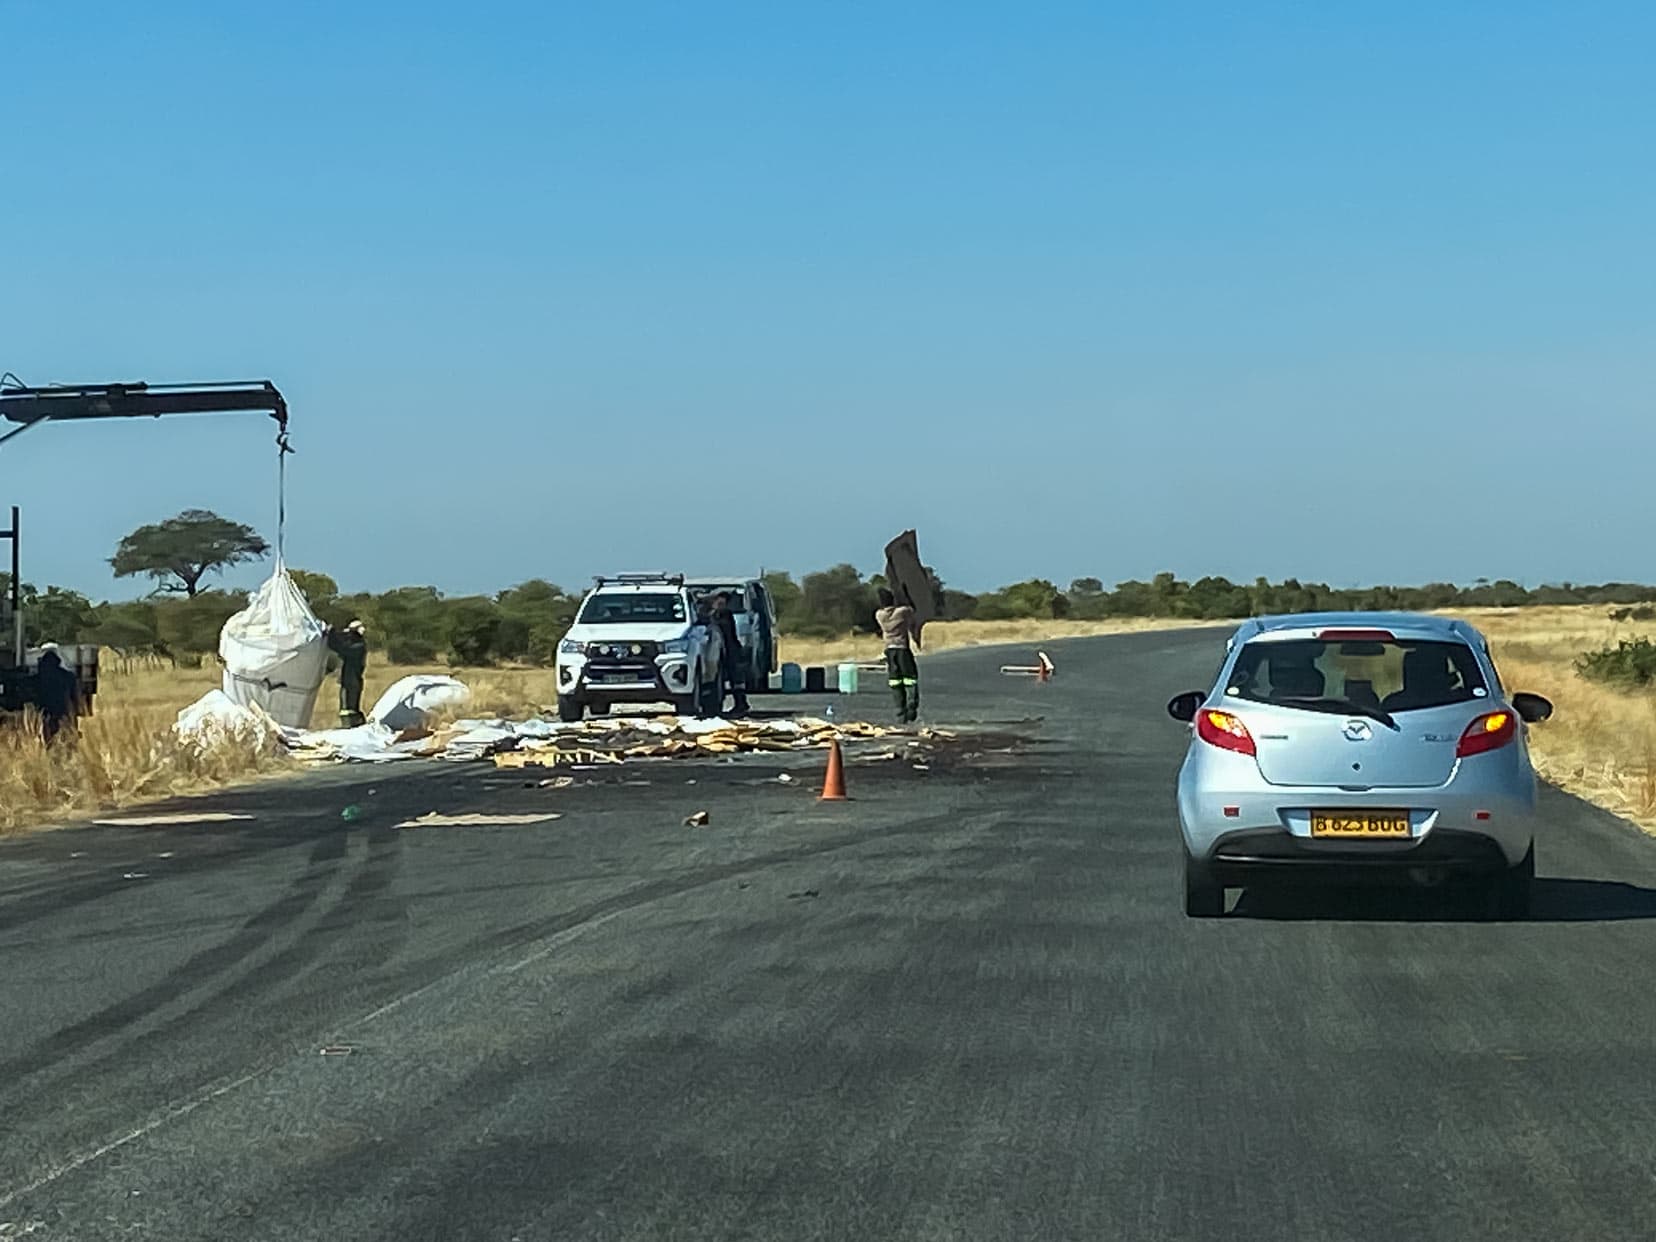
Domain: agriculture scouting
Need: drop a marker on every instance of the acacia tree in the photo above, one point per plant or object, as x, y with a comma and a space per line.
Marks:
182, 550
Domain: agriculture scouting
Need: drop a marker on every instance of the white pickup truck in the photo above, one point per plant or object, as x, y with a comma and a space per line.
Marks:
637, 639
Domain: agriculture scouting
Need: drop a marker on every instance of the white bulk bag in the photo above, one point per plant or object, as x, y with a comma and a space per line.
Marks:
275, 652
409, 701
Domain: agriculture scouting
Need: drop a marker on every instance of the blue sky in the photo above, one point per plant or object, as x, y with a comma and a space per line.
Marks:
1356, 292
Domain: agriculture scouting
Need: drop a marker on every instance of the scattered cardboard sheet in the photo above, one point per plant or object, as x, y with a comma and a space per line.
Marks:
161, 821
478, 820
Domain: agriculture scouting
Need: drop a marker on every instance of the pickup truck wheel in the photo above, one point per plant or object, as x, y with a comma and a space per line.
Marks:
712, 697
570, 708
688, 704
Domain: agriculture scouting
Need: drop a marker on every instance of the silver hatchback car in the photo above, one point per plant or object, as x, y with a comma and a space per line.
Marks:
1357, 743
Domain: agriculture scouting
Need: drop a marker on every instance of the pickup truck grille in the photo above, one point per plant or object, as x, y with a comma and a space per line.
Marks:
622, 651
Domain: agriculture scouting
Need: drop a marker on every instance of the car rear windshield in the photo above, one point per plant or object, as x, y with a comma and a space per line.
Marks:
619, 609
1393, 675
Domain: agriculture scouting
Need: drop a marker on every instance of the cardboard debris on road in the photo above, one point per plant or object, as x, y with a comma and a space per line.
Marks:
668, 737
539, 743
552, 757
478, 820
168, 820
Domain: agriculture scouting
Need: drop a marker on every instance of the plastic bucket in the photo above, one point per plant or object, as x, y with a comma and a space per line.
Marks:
793, 679
848, 678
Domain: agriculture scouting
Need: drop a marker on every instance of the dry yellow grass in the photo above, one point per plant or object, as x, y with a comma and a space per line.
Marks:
121, 757
1601, 742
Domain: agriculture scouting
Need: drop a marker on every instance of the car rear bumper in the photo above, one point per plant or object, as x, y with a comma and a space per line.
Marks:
1222, 798
1255, 854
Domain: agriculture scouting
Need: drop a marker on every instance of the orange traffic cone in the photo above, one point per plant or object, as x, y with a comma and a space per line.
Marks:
833, 784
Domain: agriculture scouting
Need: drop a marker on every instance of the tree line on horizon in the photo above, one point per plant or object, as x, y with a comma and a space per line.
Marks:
180, 620
523, 624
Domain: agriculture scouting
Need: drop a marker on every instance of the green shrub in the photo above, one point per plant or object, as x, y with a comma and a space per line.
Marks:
410, 649
472, 624
1631, 662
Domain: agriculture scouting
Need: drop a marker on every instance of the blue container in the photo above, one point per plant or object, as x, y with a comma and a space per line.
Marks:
793, 679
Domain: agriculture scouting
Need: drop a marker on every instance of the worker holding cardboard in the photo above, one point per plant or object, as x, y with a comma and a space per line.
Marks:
907, 602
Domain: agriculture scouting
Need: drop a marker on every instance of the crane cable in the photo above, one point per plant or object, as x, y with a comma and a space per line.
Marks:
283, 448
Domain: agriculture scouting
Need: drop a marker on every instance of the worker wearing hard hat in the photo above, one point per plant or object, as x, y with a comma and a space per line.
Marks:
351, 646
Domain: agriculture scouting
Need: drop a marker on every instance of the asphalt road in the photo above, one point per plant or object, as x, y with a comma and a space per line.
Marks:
964, 1005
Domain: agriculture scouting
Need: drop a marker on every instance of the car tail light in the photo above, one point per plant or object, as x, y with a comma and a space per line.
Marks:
1491, 731
1355, 636
1224, 730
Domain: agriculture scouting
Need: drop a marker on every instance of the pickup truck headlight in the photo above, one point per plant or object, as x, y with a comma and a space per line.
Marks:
570, 646
676, 646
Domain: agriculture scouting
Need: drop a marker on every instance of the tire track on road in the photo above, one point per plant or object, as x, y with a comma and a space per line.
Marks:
324, 857
50, 896
370, 881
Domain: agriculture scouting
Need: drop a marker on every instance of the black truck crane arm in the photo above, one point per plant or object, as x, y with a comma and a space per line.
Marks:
67, 402
29, 407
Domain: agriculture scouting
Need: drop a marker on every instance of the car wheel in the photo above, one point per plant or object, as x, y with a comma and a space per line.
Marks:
1204, 897
570, 708
1513, 887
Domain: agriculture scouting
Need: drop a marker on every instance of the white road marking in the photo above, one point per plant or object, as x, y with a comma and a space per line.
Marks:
188, 1105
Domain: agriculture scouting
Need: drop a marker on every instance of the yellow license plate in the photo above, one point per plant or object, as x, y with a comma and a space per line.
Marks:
1359, 823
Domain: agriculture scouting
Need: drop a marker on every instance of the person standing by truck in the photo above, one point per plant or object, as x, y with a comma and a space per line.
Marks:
732, 657
901, 634
351, 646
59, 693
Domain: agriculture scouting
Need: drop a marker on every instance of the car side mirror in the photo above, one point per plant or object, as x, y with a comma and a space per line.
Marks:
1184, 706
1532, 708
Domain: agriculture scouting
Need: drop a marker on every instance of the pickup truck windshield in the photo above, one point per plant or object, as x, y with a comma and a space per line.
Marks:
1398, 675
622, 608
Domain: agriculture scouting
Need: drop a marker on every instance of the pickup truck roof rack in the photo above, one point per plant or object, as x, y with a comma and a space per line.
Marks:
637, 579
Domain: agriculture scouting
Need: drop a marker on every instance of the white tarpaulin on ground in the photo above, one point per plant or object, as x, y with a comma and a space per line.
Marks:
408, 702
216, 715
275, 652
368, 743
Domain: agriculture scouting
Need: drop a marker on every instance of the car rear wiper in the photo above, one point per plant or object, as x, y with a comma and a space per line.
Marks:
1321, 704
